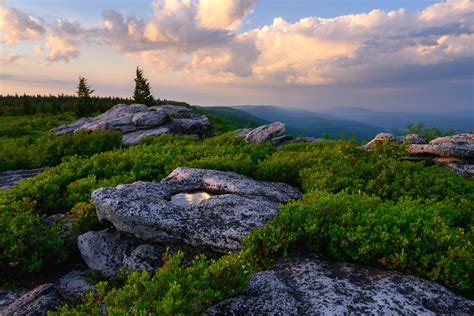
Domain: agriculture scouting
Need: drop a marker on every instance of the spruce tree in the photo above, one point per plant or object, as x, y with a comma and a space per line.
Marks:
83, 105
142, 94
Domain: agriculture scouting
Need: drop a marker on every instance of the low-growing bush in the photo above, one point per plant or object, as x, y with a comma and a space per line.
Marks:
175, 289
429, 239
84, 219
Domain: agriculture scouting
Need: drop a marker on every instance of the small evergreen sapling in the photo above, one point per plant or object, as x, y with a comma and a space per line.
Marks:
83, 104
142, 94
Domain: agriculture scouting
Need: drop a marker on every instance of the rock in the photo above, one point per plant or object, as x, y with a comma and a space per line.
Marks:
7, 297
414, 139
145, 257
459, 166
307, 139
243, 132
307, 285
457, 146
74, 284
104, 250
107, 251
9, 179
265, 133
70, 128
137, 121
149, 119
236, 205
198, 125
36, 302
383, 137
282, 140
136, 137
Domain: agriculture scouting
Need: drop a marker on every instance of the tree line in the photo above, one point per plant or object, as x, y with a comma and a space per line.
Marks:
81, 104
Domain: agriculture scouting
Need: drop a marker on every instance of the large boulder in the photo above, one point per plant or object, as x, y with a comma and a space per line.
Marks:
137, 121
9, 179
35, 302
308, 285
391, 138
234, 204
265, 133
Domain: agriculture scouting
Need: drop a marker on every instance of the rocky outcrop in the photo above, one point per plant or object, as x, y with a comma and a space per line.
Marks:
137, 121
386, 137
453, 152
271, 133
36, 302
9, 179
265, 133
308, 285
236, 204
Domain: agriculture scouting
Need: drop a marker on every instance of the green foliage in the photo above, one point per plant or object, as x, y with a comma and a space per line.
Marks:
175, 289
84, 92
84, 219
429, 239
428, 133
48, 150
142, 93
26, 244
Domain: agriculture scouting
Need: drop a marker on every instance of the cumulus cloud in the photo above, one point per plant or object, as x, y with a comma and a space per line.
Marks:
223, 14
61, 48
17, 26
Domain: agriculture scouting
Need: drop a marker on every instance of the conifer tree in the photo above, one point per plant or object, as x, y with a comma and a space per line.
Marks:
83, 104
142, 92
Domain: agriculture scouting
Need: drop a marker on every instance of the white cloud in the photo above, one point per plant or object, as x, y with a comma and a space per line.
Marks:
17, 26
223, 14
61, 48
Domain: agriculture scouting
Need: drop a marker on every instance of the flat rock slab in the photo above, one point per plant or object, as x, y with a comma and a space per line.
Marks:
9, 179
35, 302
236, 205
310, 286
137, 121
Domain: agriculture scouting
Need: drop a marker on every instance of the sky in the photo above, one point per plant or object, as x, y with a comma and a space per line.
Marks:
397, 55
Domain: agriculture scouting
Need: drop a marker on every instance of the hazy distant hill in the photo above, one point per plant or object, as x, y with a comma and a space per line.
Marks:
315, 124
461, 121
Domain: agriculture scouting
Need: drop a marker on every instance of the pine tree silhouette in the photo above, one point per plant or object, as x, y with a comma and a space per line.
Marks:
83, 104
142, 94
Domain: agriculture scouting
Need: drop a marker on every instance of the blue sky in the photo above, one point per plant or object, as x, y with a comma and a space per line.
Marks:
407, 55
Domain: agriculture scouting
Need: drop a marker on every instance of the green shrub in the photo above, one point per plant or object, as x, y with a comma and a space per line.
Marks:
84, 219
25, 242
429, 239
175, 289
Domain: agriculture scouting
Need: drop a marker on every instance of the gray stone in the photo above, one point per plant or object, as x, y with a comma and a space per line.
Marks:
104, 250
9, 179
136, 137
74, 284
149, 119
383, 137
265, 133
243, 132
145, 257
9, 296
414, 139
307, 286
196, 125
237, 205
137, 121
36, 302
457, 146
459, 166
282, 140
70, 128
307, 139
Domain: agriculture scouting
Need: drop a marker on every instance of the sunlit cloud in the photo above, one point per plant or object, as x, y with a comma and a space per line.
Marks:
16, 26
